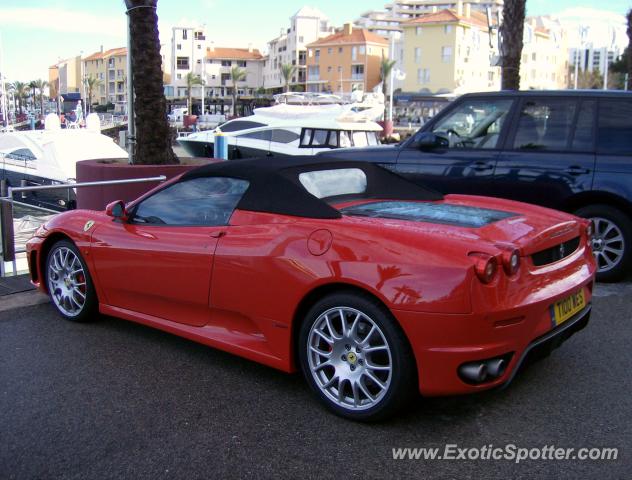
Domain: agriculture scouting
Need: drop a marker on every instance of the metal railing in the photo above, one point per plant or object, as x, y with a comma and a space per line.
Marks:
7, 234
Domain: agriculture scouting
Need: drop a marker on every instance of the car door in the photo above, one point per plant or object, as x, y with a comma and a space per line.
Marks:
471, 134
160, 261
549, 155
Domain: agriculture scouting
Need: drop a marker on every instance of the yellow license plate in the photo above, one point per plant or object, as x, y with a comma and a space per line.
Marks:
566, 308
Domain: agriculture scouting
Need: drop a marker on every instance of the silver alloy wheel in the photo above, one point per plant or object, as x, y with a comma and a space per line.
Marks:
608, 244
349, 358
67, 281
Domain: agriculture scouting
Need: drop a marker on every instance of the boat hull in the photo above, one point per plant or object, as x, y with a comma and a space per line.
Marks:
58, 200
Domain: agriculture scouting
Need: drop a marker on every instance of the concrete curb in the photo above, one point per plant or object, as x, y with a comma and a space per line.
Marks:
24, 299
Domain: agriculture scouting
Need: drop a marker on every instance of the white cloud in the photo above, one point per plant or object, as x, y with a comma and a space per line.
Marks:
67, 21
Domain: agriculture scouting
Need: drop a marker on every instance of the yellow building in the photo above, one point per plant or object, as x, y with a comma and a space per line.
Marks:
110, 68
544, 63
345, 61
65, 76
448, 52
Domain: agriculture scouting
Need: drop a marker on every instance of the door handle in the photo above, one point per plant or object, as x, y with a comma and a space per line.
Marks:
577, 170
218, 234
482, 165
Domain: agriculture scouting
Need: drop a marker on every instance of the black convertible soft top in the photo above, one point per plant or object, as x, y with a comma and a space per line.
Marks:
275, 186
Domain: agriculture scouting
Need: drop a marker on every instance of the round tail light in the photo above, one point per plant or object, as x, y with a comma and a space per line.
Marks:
511, 262
485, 266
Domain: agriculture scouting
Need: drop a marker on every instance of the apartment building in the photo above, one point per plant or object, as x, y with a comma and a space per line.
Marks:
544, 63
217, 68
110, 68
592, 57
388, 22
65, 76
448, 52
290, 47
187, 54
345, 61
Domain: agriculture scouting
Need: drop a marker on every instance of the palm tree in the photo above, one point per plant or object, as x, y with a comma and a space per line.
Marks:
192, 80
629, 49
237, 75
386, 69
287, 72
91, 83
511, 32
153, 138
33, 87
40, 85
21, 90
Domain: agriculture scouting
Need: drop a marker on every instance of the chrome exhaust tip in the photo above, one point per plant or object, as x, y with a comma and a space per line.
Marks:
474, 372
496, 367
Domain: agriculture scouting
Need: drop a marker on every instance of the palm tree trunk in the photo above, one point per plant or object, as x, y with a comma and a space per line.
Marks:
629, 49
42, 103
153, 138
511, 32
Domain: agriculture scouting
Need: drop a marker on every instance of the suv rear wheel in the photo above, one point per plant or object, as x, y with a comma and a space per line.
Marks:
611, 242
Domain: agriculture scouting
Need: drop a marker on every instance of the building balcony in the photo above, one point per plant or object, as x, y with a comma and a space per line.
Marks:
357, 76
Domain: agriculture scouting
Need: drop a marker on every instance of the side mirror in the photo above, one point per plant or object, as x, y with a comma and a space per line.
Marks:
117, 210
430, 141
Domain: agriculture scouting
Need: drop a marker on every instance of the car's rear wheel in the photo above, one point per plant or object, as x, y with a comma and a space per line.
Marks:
69, 282
356, 358
611, 242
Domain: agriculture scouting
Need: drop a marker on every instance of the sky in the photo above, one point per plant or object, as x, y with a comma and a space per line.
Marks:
35, 34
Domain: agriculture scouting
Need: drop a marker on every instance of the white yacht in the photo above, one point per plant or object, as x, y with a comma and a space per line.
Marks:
298, 124
44, 157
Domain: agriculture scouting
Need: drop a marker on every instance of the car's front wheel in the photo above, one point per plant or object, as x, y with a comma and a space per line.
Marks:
356, 358
69, 283
611, 241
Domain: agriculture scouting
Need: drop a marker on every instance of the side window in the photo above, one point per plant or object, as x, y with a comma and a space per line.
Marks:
614, 127
306, 137
284, 136
475, 123
23, 154
333, 138
345, 139
265, 135
359, 139
584, 130
545, 124
319, 138
205, 201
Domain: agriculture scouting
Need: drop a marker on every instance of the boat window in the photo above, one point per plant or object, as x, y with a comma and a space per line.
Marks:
319, 138
372, 138
359, 139
306, 138
333, 139
259, 135
23, 154
237, 125
284, 136
204, 201
331, 183
345, 140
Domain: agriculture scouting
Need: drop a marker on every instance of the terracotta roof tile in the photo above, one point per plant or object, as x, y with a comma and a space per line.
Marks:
358, 35
449, 16
234, 53
108, 53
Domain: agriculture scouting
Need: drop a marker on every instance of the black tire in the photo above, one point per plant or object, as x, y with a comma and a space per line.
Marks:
403, 384
89, 309
624, 224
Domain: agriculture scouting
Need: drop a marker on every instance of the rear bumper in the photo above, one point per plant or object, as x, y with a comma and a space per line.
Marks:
442, 343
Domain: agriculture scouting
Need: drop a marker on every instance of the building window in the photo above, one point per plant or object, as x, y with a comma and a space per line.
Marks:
354, 53
339, 49
362, 50
417, 55
330, 50
423, 75
418, 31
357, 72
313, 72
199, 47
339, 68
227, 63
317, 55
310, 53
323, 26
199, 36
241, 63
179, 76
447, 29
300, 39
182, 63
178, 46
329, 69
446, 54
184, 34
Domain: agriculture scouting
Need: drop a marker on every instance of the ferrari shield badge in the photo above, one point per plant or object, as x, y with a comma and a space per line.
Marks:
88, 225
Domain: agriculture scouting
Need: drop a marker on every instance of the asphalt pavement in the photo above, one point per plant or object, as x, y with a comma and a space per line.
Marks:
112, 399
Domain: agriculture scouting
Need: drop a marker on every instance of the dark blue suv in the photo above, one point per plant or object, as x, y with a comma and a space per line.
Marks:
568, 150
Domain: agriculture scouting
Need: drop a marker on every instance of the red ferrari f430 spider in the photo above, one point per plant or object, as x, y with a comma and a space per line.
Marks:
373, 286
